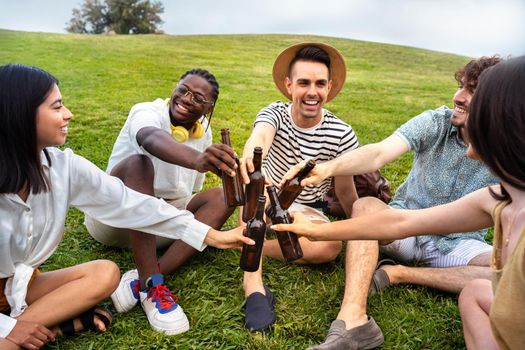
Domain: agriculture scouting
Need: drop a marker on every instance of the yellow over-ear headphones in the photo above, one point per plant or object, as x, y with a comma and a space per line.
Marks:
181, 134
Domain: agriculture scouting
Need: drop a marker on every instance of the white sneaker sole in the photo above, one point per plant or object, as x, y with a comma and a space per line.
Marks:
183, 328
175, 322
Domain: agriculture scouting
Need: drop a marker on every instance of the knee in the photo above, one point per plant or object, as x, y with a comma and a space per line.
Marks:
481, 260
328, 251
135, 169
466, 295
106, 275
469, 293
366, 205
333, 250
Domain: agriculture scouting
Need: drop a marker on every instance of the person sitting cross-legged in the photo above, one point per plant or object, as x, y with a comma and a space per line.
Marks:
163, 150
38, 185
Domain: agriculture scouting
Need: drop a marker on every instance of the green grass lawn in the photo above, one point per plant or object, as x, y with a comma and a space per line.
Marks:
101, 77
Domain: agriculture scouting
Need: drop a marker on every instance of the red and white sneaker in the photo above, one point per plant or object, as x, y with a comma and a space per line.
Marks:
160, 305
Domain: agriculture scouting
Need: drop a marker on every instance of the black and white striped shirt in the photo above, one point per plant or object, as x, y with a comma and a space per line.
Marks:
292, 144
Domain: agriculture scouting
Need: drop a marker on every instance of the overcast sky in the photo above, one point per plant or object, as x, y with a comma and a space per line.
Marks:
466, 27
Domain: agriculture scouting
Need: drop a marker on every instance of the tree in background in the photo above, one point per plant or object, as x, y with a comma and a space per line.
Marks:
120, 16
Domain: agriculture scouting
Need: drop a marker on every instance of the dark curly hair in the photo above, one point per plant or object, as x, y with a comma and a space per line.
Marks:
468, 75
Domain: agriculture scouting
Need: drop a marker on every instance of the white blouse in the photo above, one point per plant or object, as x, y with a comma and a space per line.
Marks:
31, 231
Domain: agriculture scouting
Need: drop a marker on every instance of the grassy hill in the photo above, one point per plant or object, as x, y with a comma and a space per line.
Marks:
101, 77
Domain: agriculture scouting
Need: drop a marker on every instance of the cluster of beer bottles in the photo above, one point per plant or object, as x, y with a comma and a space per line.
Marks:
253, 200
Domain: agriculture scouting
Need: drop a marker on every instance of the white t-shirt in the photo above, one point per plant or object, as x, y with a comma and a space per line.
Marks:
31, 230
171, 181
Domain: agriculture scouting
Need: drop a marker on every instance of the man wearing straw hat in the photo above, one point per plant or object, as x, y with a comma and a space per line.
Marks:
308, 74
441, 173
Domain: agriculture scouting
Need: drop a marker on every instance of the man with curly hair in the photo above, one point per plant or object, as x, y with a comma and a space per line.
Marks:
441, 173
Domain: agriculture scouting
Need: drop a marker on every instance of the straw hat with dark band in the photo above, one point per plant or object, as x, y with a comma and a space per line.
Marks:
337, 67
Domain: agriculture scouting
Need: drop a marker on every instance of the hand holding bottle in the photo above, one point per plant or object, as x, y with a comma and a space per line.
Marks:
301, 226
316, 175
291, 189
227, 239
217, 158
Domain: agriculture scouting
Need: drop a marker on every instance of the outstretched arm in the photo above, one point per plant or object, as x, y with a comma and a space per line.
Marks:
470, 213
216, 158
362, 160
262, 136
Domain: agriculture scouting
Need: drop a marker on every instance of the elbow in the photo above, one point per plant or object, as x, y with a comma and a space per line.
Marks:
379, 160
145, 141
402, 225
146, 137
378, 156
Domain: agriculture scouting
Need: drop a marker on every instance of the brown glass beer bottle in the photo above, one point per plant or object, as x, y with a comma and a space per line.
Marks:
255, 229
288, 241
232, 186
292, 188
255, 188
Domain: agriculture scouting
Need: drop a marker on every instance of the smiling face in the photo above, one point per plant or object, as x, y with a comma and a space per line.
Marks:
191, 99
309, 84
52, 119
461, 99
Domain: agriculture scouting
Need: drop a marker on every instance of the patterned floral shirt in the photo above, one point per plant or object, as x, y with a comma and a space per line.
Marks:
441, 171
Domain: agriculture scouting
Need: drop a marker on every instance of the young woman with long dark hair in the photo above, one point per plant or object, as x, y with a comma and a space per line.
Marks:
38, 183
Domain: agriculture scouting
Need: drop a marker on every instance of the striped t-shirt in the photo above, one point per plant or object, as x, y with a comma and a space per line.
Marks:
292, 144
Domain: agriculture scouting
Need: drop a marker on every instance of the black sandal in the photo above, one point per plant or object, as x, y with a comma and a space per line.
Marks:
87, 320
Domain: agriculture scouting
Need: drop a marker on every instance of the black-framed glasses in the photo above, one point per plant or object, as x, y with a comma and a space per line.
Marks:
198, 99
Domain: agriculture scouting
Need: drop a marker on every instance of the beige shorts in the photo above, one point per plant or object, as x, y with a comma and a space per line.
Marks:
311, 214
118, 237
